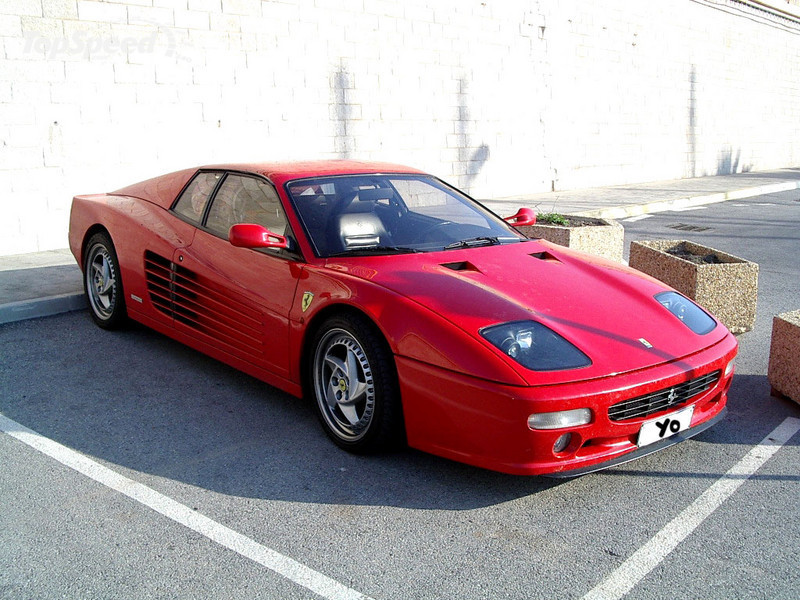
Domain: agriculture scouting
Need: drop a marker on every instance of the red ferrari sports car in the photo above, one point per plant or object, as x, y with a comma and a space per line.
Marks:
408, 312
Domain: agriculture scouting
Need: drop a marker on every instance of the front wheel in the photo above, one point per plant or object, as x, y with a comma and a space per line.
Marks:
102, 282
354, 384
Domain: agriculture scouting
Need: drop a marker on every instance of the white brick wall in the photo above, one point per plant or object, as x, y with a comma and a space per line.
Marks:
498, 97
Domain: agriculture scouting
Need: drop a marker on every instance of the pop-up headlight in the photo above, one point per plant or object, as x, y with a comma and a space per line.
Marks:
535, 346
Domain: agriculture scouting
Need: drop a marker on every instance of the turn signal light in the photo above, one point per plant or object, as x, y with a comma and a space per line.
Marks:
560, 419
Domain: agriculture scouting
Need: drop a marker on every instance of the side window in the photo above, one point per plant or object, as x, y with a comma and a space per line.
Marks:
193, 200
242, 199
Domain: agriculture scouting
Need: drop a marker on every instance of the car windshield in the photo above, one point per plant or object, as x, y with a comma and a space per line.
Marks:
391, 214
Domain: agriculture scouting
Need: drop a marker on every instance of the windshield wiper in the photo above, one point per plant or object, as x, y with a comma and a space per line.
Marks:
473, 242
375, 250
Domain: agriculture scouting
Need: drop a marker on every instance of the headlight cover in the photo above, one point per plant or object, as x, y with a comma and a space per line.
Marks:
535, 346
694, 317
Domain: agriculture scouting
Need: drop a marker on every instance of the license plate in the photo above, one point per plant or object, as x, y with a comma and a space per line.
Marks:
666, 426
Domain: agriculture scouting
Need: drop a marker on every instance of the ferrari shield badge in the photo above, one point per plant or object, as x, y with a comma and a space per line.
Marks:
308, 298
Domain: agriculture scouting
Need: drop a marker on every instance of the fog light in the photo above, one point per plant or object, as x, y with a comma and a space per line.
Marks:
562, 442
560, 419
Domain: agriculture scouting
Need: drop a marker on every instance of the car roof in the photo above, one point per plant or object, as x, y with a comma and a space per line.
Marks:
281, 172
163, 189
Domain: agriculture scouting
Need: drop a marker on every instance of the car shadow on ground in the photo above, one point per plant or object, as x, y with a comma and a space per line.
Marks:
137, 399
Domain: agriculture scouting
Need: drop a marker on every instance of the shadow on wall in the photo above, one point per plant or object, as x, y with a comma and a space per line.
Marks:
470, 159
342, 112
728, 162
691, 133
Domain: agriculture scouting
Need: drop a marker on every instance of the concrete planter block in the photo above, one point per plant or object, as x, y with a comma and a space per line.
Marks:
727, 287
600, 237
784, 356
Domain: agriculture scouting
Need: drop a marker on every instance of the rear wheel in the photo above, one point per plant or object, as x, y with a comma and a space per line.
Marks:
354, 383
102, 282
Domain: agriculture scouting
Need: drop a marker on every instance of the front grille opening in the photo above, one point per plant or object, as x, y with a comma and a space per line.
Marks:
655, 402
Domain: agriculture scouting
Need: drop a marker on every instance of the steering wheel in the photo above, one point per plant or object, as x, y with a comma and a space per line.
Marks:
432, 228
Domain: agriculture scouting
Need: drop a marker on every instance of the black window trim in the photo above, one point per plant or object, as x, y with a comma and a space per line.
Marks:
294, 254
199, 172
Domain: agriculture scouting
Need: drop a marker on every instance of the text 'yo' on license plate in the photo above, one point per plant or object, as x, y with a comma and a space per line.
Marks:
666, 426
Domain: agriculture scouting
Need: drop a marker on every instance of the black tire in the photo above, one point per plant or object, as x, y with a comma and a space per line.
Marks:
353, 381
102, 282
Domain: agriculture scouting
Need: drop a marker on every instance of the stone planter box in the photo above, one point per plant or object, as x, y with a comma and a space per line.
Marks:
724, 284
784, 356
600, 237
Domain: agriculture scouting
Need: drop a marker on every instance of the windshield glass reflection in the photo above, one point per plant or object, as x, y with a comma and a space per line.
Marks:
391, 214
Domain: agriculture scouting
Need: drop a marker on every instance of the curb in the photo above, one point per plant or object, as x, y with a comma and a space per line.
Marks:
634, 210
41, 307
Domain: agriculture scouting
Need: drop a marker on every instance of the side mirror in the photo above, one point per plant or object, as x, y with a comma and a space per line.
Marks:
524, 216
250, 235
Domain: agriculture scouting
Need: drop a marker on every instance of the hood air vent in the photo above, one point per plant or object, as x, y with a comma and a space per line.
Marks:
463, 265
546, 256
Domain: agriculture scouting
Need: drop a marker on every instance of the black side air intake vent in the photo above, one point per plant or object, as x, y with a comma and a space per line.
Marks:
229, 319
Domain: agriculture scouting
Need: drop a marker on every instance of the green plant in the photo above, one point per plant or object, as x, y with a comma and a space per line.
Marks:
552, 219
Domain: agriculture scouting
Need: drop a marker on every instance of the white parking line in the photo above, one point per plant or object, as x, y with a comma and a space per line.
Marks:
636, 218
623, 579
292, 570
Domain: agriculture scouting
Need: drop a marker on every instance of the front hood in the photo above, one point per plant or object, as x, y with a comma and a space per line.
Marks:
606, 309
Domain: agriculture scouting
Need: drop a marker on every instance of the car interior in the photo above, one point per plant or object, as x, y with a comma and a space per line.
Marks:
349, 214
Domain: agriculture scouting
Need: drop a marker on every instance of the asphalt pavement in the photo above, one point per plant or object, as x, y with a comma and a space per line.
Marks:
136, 467
46, 283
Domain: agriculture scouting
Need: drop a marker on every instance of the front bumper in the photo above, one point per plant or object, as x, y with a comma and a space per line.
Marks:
485, 424
665, 443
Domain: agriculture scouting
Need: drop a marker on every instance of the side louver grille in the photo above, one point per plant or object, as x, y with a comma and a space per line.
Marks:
200, 304
650, 404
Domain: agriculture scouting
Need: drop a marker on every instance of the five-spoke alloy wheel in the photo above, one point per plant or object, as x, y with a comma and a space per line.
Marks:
354, 385
102, 282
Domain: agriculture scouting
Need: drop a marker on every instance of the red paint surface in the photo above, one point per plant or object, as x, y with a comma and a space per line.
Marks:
462, 398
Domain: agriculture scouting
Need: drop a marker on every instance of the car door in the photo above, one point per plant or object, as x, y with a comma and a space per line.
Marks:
238, 300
